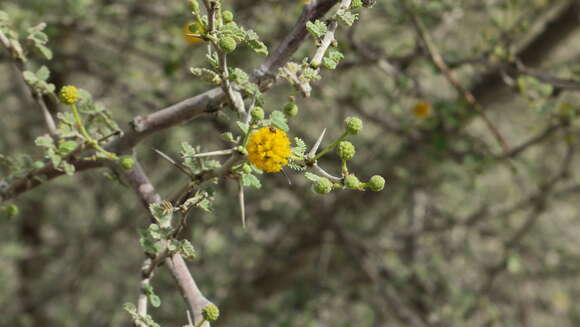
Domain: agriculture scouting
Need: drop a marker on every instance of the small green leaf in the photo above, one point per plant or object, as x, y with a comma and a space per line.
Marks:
316, 29
300, 147
187, 250
295, 166
239, 76
234, 31
44, 141
206, 75
243, 127
45, 51
43, 73
312, 177
333, 58
250, 180
155, 300
278, 119
205, 205
68, 168
253, 41
67, 147
346, 17
29, 77
162, 212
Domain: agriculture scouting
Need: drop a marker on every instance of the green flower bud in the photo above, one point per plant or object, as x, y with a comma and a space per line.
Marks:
126, 162
210, 312
345, 150
193, 28
68, 95
323, 185
355, 4
353, 125
228, 44
228, 16
242, 150
12, 210
257, 113
291, 109
246, 168
376, 183
352, 182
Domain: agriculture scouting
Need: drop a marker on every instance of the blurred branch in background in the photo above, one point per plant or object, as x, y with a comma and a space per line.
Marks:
455, 239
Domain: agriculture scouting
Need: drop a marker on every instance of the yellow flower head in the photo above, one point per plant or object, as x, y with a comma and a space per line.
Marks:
422, 109
68, 94
269, 149
192, 39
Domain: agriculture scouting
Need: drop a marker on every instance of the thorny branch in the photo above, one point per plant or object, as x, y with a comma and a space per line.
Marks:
194, 297
20, 65
207, 102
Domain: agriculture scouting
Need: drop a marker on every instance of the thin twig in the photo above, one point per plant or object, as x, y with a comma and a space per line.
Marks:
328, 37
440, 63
20, 66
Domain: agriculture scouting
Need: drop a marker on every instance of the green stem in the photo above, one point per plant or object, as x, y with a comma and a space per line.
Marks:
200, 323
331, 146
86, 135
247, 136
344, 168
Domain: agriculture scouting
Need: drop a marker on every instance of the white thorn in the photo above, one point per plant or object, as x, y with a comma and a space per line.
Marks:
317, 144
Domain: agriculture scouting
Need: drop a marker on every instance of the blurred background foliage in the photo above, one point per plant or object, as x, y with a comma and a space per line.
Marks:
465, 234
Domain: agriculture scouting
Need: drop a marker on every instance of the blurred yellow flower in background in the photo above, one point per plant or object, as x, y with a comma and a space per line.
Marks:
198, 30
422, 109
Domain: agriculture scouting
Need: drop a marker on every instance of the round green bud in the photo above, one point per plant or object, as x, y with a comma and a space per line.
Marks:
345, 150
355, 4
193, 28
68, 95
228, 16
12, 210
257, 113
242, 150
323, 185
210, 312
291, 109
353, 125
126, 162
352, 182
246, 168
228, 44
376, 183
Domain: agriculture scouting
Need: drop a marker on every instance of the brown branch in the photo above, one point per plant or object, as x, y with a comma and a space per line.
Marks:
40, 176
181, 112
514, 152
440, 63
539, 206
557, 30
195, 299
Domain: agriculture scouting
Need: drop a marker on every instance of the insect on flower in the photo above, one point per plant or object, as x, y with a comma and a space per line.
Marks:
269, 149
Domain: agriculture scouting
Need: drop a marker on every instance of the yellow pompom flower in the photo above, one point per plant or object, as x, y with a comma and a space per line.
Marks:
68, 95
269, 149
422, 109
192, 39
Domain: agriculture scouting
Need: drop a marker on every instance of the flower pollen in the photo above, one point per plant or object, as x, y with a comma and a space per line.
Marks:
269, 149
